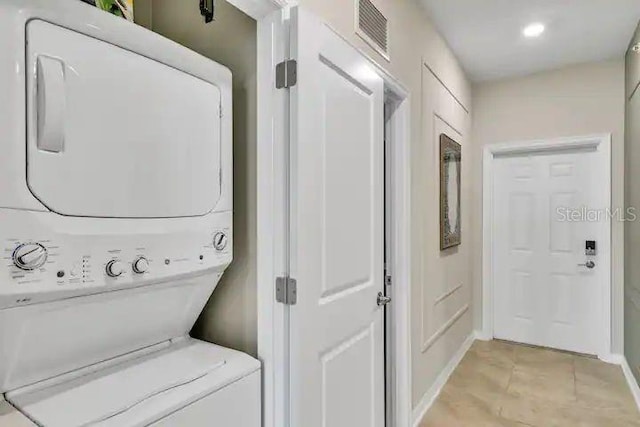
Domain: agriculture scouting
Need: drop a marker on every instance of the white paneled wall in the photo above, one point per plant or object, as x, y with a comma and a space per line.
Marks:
441, 297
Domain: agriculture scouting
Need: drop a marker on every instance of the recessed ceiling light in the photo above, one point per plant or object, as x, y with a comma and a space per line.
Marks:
533, 30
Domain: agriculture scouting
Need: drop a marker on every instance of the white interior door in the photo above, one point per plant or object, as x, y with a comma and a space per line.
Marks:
546, 206
337, 214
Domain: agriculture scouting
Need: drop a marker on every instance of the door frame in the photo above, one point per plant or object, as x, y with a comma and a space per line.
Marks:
600, 142
272, 218
398, 206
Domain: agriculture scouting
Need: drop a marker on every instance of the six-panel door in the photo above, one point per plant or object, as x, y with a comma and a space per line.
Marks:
546, 207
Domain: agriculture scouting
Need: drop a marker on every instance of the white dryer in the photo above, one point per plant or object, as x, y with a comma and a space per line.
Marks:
115, 224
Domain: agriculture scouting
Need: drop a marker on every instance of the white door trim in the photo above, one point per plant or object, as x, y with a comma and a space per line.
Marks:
258, 9
600, 142
401, 248
272, 179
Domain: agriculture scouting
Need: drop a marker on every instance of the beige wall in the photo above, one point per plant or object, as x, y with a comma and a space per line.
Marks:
413, 42
230, 317
632, 199
412, 39
573, 101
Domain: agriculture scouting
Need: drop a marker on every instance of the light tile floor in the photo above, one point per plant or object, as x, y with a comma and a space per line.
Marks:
502, 384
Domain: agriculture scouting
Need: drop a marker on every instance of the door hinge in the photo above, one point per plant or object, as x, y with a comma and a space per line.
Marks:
286, 290
286, 74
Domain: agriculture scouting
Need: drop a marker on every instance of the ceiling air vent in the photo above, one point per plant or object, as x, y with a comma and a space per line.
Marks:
373, 27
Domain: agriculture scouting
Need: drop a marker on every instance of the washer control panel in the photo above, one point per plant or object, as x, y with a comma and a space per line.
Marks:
41, 265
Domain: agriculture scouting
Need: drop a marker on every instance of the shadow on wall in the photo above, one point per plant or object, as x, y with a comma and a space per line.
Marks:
230, 316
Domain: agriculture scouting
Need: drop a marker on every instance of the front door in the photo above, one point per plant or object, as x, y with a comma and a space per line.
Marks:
337, 232
548, 212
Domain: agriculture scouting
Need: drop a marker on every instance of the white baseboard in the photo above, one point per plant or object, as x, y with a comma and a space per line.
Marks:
483, 335
430, 396
615, 359
631, 380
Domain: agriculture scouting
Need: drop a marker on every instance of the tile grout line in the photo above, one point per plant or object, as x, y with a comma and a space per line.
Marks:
504, 392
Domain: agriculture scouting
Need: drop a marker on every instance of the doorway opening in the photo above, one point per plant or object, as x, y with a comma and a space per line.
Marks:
396, 254
388, 258
281, 327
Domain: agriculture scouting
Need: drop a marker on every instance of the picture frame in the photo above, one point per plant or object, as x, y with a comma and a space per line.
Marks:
450, 192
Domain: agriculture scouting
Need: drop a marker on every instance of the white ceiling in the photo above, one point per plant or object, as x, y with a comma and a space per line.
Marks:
486, 35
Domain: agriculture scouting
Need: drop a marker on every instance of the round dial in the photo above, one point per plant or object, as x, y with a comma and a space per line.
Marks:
114, 268
220, 241
29, 256
140, 265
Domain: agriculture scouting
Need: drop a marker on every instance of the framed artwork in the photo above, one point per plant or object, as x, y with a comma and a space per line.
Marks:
450, 164
122, 8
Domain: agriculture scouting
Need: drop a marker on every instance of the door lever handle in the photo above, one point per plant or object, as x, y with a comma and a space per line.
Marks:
383, 300
589, 264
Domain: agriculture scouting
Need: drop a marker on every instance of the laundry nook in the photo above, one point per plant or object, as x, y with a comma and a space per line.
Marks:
319, 213
121, 230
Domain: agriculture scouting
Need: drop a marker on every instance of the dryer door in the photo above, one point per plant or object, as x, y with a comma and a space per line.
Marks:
115, 134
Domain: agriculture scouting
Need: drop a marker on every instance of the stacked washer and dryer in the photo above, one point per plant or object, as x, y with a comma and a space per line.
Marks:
115, 225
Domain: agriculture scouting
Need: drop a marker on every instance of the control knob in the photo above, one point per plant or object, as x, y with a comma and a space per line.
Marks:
220, 241
115, 268
140, 265
29, 256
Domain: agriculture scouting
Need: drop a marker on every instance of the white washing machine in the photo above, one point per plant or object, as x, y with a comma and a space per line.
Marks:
115, 225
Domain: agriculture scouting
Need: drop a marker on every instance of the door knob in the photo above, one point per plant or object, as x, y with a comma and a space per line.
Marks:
383, 300
589, 264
